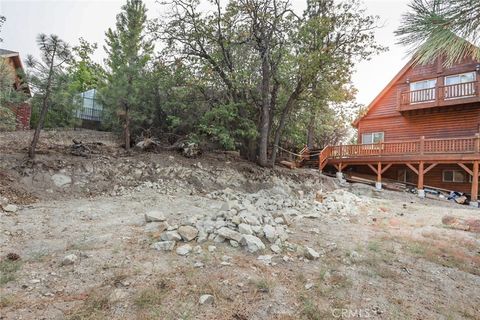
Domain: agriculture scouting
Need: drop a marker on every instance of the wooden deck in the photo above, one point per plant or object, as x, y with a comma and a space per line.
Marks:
419, 155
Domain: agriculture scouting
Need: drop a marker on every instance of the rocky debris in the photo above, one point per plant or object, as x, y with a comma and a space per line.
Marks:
69, 260
275, 248
212, 248
155, 216
270, 233
244, 228
472, 225
188, 233
156, 228
61, 180
252, 243
206, 299
190, 149
171, 236
229, 234
266, 259
164, 245
184, 250
311, 254
11, 208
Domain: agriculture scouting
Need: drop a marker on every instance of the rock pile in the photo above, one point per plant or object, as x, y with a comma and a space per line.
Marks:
253, 220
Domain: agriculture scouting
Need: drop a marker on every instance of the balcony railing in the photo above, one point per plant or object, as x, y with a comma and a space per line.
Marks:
466, 145
443, 95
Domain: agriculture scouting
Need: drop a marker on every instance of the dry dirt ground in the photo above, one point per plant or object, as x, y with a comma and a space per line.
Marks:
389, 259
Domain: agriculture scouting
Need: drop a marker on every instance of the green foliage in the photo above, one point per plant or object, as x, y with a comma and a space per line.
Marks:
447, 28
128, 52
85, 73
223, 124
52, 84
7, 119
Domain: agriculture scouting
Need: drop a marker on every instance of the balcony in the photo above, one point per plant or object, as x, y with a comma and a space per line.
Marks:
454, 94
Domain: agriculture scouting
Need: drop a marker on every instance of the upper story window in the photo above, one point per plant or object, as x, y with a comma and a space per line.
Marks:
373, 137
460, 85
422, 91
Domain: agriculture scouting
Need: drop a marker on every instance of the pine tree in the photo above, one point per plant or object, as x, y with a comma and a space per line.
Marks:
128, 55
47, 76
448, 28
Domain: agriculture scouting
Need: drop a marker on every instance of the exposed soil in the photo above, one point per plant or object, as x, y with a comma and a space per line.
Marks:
390, 257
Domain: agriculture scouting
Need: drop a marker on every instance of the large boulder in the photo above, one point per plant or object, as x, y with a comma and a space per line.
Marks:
155, 216
230, 234
188, 233
252, 243
270, 233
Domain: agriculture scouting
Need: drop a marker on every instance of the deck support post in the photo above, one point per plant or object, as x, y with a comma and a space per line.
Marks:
474, 197
339, 173
378, 183
421, 192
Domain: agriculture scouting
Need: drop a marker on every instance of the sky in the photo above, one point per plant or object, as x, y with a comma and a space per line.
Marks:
72, 19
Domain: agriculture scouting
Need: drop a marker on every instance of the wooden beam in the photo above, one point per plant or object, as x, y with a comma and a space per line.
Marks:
379, 172
386, 167
466, 169
430, 167
420, 176
373, 168
474, 195
413, 168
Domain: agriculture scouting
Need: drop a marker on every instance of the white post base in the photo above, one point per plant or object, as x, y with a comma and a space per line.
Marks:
474, 204
421, 193
339, 176
378, 186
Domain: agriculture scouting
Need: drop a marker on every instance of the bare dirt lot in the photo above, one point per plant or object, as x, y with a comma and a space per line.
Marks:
75, 244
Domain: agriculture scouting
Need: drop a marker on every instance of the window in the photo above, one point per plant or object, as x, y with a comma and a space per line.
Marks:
460, 78
422, 91
454, 176
460, 85
374, 137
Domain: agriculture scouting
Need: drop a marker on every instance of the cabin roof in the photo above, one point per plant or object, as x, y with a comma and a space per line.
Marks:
398, 76
15, 57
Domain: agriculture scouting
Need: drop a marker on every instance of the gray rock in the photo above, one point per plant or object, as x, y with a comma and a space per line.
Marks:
188, 233
212, 248
61, 180
234, 243
163, 245
244, 228
270, 233
229, 234
266, 259
279, 220
202, 236
156, 227
170, 236
311, 254
154, 216
10, 208
184, 250
69, 260
252, 243
206, 299
275, 248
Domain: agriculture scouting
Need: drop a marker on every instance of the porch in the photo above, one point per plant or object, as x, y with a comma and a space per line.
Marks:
420, 156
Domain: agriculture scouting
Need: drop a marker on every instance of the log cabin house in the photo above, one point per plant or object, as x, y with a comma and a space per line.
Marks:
423, 128
22, 110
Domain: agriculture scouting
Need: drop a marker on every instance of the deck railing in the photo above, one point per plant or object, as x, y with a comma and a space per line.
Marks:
422, 146
439, 95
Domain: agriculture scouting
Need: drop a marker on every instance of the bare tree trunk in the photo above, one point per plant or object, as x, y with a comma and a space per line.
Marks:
127, 129
43, 113
265, 113
283, 119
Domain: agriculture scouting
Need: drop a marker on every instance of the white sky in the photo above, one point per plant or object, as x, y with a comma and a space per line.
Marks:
71, 19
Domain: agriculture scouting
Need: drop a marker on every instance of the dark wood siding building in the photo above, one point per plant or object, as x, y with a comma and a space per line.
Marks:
423, 128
